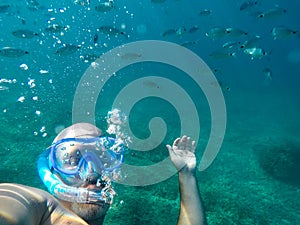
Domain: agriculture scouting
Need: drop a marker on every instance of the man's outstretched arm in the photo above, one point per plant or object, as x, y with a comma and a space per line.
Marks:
24, 205
182, 154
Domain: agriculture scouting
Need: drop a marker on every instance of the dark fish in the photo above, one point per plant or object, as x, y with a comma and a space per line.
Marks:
190, 43
255, 53
232, 45
282, 32
193, 29
23, 20
150, 84
32, 5
4, 8
158, 1
205, 12
216, 32
67, 49
247, 5
222, 54
216, 70
96, 37
89, 57
104, 6
130, 56
268, 73
82, 2
55, 28
180, 31
12, 52
220, 84
235, 32
109, 30
271, 14
169, 32
24, 33
251, 43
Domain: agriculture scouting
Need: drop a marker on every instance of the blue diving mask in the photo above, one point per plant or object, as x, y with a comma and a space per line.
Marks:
84, 160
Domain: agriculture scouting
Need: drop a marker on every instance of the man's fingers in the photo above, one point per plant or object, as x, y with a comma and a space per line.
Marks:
193, 146
169, 147
188, 143
176, 142
183, 143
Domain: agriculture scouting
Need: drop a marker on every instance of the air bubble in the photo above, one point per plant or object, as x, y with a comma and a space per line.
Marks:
24, 66
21, 99
43, 129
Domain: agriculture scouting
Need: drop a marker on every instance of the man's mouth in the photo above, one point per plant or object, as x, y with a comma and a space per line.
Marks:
92, 186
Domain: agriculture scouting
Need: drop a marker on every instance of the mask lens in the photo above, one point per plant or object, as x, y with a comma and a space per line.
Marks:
75, 156
67, 157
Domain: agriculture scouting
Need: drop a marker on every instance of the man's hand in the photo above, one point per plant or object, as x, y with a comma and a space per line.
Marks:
182, 154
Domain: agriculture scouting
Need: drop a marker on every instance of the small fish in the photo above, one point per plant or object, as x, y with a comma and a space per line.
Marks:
89, 57
24, 33
232, 45
271, 14
216, 70
82, 2
4, 8
216, 32
104, 6
12, 52
55, 28
251, 43
235, 32
150, 84
281, 32
193, 29
67, 49
257, 53
248, 5
96, 37
268, 73
32, 5
169, 32
158, 1
220, 84
205, 12
180, 31
130, 56
221, 54
23, 20
109, 30
189, 43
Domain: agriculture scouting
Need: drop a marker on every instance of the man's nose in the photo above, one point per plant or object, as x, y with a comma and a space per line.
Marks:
92, 175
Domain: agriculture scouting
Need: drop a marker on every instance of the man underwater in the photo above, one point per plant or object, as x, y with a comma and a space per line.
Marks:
81, 183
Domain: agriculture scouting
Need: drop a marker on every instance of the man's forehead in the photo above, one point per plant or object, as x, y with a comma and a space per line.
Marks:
79, 130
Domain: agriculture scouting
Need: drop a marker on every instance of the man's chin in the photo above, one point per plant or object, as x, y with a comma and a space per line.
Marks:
90, 211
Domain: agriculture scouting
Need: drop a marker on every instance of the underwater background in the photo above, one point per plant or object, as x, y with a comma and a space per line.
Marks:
252, 47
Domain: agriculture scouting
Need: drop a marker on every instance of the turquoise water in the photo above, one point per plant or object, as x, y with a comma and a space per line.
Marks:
254, 178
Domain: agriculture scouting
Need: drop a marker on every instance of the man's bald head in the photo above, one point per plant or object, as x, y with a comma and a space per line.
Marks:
79, 130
